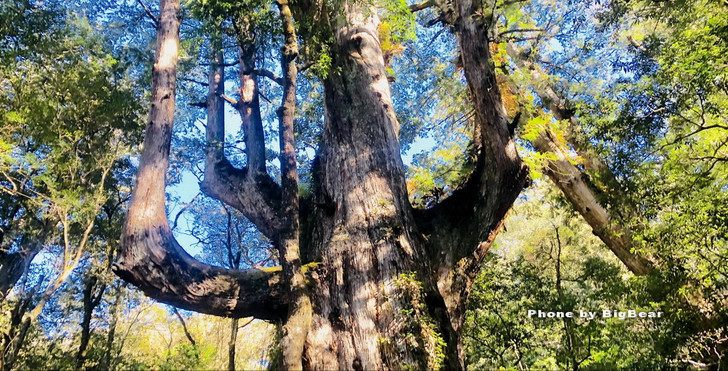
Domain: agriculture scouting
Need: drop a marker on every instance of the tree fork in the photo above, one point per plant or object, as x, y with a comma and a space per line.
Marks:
150, 257
250, 190
462, 228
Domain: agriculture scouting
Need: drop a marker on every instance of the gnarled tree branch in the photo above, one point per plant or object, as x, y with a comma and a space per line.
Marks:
150, 257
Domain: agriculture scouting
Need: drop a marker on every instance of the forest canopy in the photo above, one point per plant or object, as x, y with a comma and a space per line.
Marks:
352, 184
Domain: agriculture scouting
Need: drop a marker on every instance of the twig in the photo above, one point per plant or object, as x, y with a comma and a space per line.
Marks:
149, 13
185, 207
263, 72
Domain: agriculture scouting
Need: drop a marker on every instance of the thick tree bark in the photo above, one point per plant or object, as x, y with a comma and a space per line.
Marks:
573, 182
150, 257
364, 231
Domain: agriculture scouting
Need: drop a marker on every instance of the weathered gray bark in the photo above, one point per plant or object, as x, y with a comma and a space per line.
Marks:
570, 180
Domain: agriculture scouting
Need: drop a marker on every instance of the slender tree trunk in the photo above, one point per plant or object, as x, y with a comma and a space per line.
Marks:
14, 338
184, 327
232, 344
107, 362
88, 309
298, 322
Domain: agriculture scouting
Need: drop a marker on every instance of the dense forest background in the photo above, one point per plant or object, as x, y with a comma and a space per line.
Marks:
627, 98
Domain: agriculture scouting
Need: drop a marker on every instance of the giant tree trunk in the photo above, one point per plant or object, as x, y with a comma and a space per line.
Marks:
365, 236
387, 289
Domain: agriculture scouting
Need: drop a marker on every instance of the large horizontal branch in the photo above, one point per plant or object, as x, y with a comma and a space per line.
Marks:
155, 262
